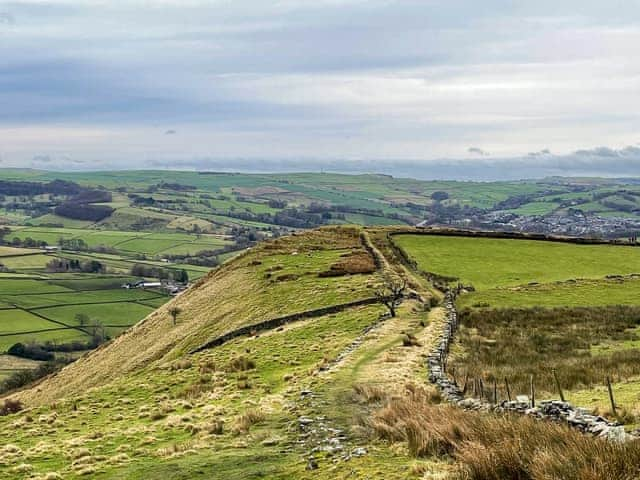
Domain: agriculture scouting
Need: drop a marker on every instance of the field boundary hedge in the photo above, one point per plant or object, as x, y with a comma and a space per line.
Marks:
454, 232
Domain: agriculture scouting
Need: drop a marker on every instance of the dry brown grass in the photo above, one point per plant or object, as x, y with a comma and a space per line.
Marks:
410, 340
358, 261
369, 393
241, 364
245, 421
490, 447
518, 343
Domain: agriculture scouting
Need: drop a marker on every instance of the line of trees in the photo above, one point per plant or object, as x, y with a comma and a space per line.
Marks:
58, 265
141, 270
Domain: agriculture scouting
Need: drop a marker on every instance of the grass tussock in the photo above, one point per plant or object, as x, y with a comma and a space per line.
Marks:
10, 406
491, 447
249, 418
368, 393
241, 363
518, 343
410, 340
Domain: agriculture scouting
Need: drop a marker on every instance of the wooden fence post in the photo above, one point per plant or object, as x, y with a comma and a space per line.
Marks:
495, 391
555, 376
613, 403
533, 392
506, 384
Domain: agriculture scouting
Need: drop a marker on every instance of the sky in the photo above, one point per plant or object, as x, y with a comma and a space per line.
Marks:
424, 88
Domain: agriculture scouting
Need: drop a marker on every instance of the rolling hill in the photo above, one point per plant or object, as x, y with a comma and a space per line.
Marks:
281, 363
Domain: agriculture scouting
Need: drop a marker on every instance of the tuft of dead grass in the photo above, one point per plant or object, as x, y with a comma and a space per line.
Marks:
491, 447
241, 363
353, 263
245, 421
369, 393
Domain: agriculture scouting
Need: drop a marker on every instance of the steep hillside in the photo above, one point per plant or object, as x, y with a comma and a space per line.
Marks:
185, 399
275, 279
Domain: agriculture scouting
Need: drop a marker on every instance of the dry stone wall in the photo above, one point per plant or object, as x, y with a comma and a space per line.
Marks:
551, 410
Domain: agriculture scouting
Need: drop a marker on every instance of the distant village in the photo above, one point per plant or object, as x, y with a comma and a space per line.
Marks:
576, 224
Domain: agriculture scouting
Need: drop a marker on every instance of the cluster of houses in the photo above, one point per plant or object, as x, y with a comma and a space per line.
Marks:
573, 225
171, 288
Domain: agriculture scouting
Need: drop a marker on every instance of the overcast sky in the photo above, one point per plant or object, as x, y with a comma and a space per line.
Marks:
305, 84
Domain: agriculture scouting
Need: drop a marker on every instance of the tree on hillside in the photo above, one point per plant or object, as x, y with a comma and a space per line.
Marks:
97, 331
391, 292
174, 312
82, 319
181, 276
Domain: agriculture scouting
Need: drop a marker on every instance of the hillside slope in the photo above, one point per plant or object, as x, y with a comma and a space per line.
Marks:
274, 279
286, 402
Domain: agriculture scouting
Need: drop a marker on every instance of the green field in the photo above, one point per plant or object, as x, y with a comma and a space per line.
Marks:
45, 310
487, 263
110, 314
580, 293
26, 262
21, 326
540, 306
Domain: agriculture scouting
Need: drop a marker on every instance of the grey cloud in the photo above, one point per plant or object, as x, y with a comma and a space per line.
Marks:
42, 159
543, 152
170, 132
607, 152
477, 151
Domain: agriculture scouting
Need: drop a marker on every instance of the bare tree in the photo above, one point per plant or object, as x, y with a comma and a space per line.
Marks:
391, 292
174, 312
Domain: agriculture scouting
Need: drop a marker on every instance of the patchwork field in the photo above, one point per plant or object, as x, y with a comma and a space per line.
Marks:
46, 310
132, 242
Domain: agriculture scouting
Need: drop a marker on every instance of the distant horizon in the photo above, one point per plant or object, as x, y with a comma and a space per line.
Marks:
328, 171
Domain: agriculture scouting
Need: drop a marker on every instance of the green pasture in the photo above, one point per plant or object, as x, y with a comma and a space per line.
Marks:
20, 326
17, 321
361, 219
54, 219
17, 286
580, 293
488, 263
108, 313
27, 262
87, 282
82, 297
132, 242
536, 208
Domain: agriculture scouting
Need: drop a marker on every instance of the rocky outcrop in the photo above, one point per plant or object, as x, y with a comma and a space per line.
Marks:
551, 410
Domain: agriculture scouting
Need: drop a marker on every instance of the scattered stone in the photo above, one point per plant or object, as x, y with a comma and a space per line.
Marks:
305, 421
312, 464
359, 452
